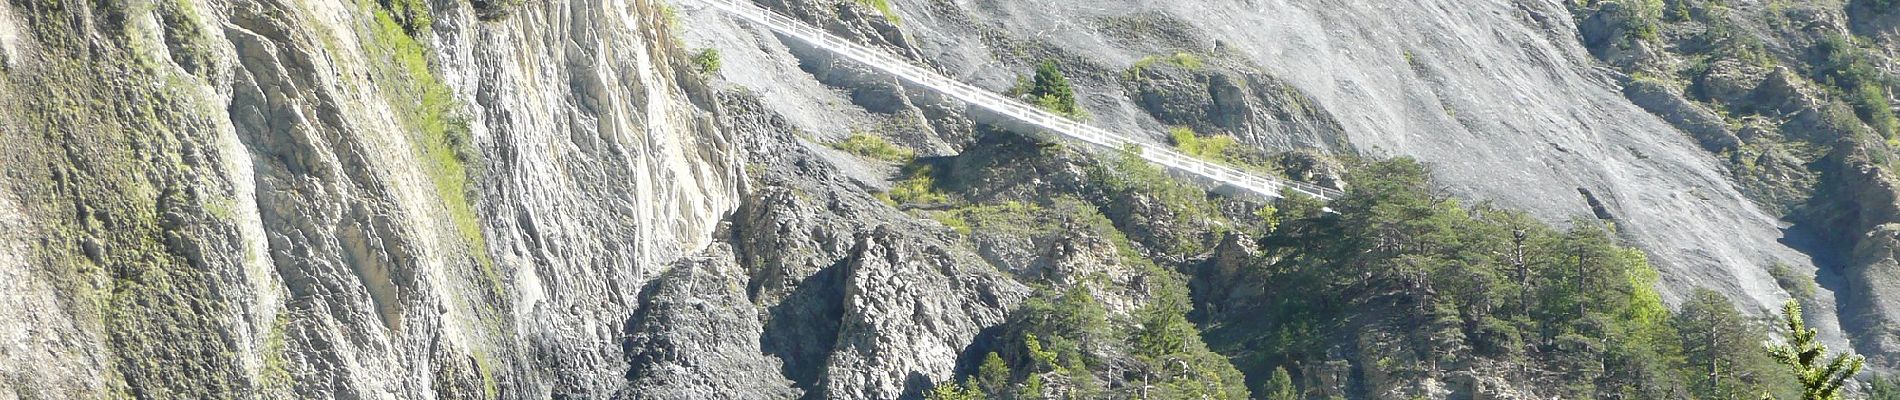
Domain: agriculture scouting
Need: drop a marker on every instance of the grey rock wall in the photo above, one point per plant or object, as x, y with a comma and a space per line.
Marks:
311, 240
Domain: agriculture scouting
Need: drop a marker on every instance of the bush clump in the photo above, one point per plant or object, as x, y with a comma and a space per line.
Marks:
1050, 90
706, 61
1850, 69
874, 147
1182, 59
1221, 149
1495, 281
918, 187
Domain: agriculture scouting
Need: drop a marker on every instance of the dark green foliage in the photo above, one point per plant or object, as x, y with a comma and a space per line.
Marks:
1459, 283
992, 378
494, 10
1883, 388
706, 61
1848, 67
1444, 285
1640, 19
1722, 347
1064, 340
1820, 380
1179, 364
1071, 315
1281, 386
1162, 332
1053, 329
953, 391
1050, 90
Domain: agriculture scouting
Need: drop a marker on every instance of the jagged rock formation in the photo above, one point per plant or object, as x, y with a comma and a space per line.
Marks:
534, 199
1256, 108
696, 336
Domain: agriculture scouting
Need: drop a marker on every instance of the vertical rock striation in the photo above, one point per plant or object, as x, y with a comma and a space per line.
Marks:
343, 199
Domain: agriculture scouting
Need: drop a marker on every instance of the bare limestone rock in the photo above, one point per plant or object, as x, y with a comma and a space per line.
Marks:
696, 336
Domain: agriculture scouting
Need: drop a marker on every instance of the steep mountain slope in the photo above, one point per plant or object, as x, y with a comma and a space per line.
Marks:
1797, 101
637, 199
342, 199
1500, 97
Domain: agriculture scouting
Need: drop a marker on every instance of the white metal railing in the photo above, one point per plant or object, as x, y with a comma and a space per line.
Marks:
1025, 112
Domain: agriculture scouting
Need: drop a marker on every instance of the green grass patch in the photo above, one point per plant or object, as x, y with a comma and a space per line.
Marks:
428, 110
275, 375
1221, 149
670, 17
955, 221
918, 187
486, 368
873, 147
1012, 217
1180, 59
1184, 60
1212, 147
883, 7
412, 15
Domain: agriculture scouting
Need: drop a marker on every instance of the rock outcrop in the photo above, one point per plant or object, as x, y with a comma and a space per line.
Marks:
696, 336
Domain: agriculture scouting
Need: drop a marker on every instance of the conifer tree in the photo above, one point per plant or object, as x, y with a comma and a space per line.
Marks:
992, 378
1281, 387
1803, 354
1720, 344
1052, 91
953, 391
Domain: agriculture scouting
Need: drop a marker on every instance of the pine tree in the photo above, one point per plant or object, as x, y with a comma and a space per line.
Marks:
953, 391
1719, 343
1281, 387
992, 378
1884, 388
1052, 91
1803, 354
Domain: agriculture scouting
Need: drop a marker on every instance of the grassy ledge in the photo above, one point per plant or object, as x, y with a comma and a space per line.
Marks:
428, 110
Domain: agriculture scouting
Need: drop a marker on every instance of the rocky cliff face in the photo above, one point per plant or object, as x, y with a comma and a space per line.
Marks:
344, 199
508, 199
1797, 102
